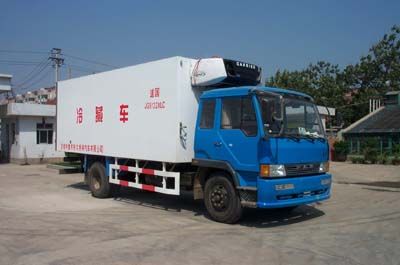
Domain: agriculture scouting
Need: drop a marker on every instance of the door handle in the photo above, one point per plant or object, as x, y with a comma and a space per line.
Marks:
217, 144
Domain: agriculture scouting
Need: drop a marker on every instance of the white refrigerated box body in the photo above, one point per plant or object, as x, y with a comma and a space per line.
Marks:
145, 112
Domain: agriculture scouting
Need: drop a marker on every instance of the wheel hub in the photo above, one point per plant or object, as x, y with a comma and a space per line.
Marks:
96, 182
219, 198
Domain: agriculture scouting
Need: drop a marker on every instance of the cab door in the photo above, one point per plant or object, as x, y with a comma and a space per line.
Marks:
238, 136
206, 132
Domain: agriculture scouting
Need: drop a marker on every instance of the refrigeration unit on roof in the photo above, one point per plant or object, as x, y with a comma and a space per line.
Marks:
219, 72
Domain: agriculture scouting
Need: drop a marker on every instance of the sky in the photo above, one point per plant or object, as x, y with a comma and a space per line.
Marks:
272, 34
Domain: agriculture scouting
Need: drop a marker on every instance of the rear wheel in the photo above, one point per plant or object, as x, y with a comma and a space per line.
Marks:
222, 200
98, 181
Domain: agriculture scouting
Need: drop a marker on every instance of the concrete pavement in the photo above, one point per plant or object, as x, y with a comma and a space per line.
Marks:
46, 218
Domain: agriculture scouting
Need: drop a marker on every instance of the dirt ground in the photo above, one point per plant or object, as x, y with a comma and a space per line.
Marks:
46, 218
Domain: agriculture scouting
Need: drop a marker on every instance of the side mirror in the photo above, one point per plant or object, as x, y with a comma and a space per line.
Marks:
279, 116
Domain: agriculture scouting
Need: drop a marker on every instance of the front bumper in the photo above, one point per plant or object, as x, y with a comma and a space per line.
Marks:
306, 189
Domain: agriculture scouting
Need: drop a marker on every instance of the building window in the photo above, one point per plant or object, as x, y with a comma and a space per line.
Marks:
207, 114
44, 133
239, 113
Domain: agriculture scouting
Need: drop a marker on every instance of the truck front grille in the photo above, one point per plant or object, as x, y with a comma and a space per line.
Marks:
301, 169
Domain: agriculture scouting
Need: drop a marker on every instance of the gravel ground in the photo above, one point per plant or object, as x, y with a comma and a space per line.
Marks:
46, 218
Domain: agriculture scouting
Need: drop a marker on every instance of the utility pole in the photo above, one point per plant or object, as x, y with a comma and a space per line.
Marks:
57, 62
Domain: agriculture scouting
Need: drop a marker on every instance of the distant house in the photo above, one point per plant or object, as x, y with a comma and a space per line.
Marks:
382, 124
45, 95
28, 133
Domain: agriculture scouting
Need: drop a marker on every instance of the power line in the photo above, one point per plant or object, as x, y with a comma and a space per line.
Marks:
68, 55
38, 81
19, 51
89, 61
33, 77
18, 64
22, 62
35, 71
81, 69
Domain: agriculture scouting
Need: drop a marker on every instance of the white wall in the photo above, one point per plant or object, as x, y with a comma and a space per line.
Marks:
27, 140
25, 145
5, 83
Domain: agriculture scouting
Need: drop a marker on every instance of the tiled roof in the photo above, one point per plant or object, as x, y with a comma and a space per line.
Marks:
384, 121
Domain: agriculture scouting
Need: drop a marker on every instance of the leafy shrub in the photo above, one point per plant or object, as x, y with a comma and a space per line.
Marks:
383, 158
356, 159
370, 150
396, 153
396, 149
370, 142
370, 155
341, 149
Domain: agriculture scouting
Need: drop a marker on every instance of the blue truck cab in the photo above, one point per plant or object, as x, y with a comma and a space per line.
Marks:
268, 142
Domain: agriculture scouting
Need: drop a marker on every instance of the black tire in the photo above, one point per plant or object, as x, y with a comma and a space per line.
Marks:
98, 181
221, 199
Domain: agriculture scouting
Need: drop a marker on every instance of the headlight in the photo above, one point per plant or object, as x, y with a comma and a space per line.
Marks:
324, 167
272, 171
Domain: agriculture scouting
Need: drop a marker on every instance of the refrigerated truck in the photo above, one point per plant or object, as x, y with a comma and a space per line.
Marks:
202, 125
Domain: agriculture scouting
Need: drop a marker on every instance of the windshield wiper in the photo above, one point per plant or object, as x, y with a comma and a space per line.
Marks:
315, 137
298, 137
308, 137
294, 137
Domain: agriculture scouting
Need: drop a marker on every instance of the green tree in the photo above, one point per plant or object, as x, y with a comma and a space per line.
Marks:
375, 73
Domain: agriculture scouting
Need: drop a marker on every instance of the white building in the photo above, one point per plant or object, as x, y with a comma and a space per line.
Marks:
28, 133
326, 113
5, 87
5, 83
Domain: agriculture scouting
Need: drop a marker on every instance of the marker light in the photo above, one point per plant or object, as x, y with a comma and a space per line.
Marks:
264, 170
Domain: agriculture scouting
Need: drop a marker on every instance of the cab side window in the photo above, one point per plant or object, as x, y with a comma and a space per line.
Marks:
239, 113
207, 114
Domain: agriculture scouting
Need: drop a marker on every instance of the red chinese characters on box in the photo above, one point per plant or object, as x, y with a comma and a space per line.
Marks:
154, 102
99, 114
123, 113
93, 148
155, 92
79, 115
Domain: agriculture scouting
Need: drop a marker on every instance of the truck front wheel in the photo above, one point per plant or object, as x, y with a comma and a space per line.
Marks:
98, 181
222, 200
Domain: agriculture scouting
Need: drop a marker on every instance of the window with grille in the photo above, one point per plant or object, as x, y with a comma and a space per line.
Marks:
44, 133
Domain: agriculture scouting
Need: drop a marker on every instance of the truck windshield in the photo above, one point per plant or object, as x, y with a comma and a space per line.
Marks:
300, 117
